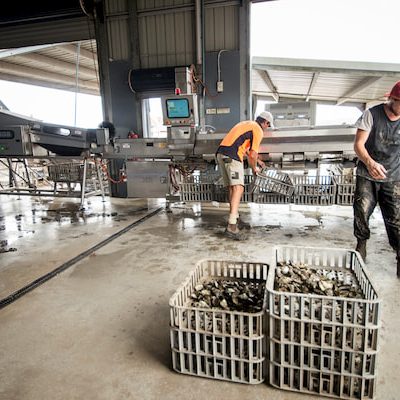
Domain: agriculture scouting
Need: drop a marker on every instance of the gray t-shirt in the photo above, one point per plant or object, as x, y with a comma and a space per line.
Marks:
383, 143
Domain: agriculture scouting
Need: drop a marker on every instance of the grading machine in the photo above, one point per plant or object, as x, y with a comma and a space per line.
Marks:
147, 167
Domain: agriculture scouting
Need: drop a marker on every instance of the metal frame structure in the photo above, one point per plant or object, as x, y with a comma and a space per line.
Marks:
31, 189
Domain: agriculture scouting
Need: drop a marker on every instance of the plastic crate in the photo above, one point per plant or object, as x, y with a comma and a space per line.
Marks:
271, 198
273, 181
346, 186
221, 193
197, 187
196, 191
323, 345
314, 190
68, 172
214, 343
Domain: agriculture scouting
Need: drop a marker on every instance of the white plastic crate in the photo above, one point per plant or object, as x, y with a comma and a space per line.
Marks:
345, 187
323, 345
314, 190
273, 181
216, 343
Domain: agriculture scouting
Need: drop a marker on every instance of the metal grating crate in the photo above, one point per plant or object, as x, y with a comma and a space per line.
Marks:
323, 345
346, 186
273, 181
314, 190
214, 343
68, 172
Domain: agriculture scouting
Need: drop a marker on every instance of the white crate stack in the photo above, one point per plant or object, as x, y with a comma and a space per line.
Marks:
323, 345
213, 343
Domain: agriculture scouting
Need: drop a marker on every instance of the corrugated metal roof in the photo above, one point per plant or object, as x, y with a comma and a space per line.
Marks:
333, 81
53, 66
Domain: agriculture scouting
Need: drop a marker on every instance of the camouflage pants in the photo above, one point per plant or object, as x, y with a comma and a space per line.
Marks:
367, 195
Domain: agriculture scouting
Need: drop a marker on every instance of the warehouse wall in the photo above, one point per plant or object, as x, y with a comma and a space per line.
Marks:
161, 33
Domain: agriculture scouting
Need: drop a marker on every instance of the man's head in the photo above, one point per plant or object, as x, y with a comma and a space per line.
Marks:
266, 120
394, 99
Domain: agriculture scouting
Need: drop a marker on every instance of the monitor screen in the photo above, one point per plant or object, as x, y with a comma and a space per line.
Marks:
178, 108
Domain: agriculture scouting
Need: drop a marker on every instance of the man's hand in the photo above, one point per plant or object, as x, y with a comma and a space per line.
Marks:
376, 170
261, 163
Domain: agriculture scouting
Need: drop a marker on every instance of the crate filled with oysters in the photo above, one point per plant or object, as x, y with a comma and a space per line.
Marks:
323, 320
217, 321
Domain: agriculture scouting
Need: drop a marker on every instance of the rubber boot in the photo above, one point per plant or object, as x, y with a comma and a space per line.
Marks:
362, 248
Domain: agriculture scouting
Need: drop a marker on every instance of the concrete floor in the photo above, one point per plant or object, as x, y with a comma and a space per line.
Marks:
100, 329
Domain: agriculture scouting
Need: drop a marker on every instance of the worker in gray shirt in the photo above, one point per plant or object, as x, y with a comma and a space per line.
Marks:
377, 145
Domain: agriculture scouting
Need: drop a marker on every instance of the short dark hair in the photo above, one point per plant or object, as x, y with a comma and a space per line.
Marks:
260, 120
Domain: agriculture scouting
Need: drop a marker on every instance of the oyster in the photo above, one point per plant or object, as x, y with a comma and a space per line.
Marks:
229, 295
300, 278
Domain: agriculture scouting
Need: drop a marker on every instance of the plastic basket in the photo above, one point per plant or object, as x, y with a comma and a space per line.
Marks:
314, 190
323, 345
346, 185
214, 343
273, 181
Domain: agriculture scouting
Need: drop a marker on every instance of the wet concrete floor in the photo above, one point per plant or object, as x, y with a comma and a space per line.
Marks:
100, 329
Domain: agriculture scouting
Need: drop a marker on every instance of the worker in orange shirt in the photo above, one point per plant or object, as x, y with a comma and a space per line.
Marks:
242, 140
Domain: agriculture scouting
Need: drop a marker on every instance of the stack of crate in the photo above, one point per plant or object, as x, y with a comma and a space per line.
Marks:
324, 345
216, 343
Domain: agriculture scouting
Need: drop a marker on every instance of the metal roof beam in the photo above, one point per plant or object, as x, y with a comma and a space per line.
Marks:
312, 84
368, 81
14, 69
348, 67
268, 81
53, 85
57, 64
25, 50
73, 49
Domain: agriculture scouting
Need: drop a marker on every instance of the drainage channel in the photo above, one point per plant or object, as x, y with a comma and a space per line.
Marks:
44, 278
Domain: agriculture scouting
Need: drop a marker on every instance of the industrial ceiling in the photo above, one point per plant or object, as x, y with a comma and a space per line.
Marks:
54, 66
338, 82
70, 61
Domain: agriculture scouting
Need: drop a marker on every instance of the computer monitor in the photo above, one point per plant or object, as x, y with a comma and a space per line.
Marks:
177, 108
180, 110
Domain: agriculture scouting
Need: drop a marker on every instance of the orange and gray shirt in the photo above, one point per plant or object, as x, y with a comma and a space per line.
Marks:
242, 138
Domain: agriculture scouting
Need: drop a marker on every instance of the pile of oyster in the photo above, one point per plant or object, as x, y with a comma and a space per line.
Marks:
299, 278
229, 295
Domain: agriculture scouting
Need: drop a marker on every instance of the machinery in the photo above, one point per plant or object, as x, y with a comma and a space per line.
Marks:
69, 154
23, 136
299, 147
146, 163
